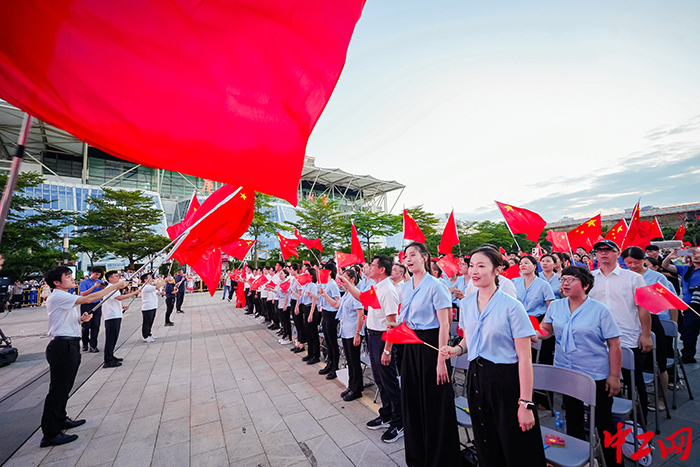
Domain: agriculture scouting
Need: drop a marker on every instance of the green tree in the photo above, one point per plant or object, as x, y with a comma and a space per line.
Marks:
474, 234
32, 241
320, 218
371, 224
262, 224
126, 220
90, 241
425, 220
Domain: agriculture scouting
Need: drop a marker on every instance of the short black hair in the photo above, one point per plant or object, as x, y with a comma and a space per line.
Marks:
97, 269
383, 261
110, 274
56, 274
281, 264
144, 277
651, 247
331, 267
294, 266
582, 274
403, 268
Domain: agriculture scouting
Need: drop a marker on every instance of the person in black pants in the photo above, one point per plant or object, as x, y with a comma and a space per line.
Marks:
328, 305
112, 309
307, 306
180, 280
91, 328
170, 295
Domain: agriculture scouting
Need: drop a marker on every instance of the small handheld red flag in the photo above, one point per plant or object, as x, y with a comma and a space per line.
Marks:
535, 323
309, 243
356, 246
345, 259
304, 279
449, 236
284, 286
402, 334
512, 272
259, 282
680, 233
449, 265
368, 298
411, 231
324, 276
657, 298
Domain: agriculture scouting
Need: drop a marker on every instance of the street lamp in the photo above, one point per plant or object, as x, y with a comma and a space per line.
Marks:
66, 247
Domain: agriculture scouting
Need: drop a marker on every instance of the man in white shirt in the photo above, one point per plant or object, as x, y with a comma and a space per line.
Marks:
615, 288
149, 304
272, 297
112, 310
397, 274
382, 354
63, 351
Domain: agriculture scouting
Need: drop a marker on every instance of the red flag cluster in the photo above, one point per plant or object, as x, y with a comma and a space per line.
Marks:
641, 233
522, 221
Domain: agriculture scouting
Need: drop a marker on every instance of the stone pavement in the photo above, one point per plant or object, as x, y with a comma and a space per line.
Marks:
216, 389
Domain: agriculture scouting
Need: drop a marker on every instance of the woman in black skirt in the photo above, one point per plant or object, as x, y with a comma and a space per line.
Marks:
427, 397
497, 333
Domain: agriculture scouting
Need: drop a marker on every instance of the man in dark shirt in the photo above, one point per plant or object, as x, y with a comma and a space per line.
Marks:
170, 296
180, 280
91, 329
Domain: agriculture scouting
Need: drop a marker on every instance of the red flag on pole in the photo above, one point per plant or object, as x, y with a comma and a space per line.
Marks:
304, 279
449, 265
194, 205
522, 221
288, 246
586, 234
309, 243
638, 231
259, 282
401, 334
324, 276
238, 249
411, 231
512, 272
449, 236
345, 259
617, 232
208, 266
175, 230
207, 85
657, 298
559, 241
368, 298
284, 286
680, 233
356, 246
655, 230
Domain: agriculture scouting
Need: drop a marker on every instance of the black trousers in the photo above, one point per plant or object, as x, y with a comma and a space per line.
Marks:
112, 327
330, 334
63, 356
658, 329
385, 378
91, 329
147, 323
180, 299
286, 320
494, 390
689, 333
429, 418
274, 312
299, 322
314, 345
232, 291
603, 419
352, 356
169, 305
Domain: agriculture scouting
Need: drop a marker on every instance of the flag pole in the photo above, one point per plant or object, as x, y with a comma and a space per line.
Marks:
12, 178
511, 232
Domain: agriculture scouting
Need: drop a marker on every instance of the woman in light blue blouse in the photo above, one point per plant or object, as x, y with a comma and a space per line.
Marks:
427, 397
549, 274
497, 333
312, 318
588, 340
328, 292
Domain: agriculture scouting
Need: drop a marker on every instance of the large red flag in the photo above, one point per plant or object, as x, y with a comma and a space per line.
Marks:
655, 229
680, 233
175, 230
449, 236
192, 87
411, 231
638, 231
657, 298
238, 249
208, 266
586, 234
368, 298
559, 241
288, 246
356, 246
522, 221
449, 265
617, 232
309, 243
343, 260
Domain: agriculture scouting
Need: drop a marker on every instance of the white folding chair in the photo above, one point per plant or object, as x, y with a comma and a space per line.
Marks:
654, 379
671, 330
577, 453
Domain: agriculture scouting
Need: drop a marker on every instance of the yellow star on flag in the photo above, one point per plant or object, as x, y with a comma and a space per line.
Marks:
590, 223
243, 196
509, 208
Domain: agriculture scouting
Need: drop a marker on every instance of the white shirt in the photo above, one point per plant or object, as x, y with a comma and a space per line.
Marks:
112, 308
149, 299
277, 280
616, 291
399, 289
64, 317
504, 284
389, 301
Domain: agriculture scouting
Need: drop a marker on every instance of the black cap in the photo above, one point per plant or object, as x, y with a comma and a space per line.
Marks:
608, 243
651, 248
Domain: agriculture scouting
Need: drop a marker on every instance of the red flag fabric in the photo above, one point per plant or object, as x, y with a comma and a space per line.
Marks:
259, 282
559, 241
449, 265
175, 230
680, 233
655, 230
238, 249
238, 83
586, 234
368, 298
523, 221
535, 323
208, 266
288, 246
411, 231
344, 260
284, 286
402, 255
512, 272
304, 279
657, 298
617, 232
324, 276
401, 334
194, 205
356, 246
449, 236
309, 243
502, 251
638, 231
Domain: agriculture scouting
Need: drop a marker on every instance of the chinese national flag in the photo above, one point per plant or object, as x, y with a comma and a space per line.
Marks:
259, 282
449, 236
194, 205
655, 229
401, 334
208, 266
411, 231
343, 260
638, 232
657, 298
239, 249
586, 234
288, 246
680, 233
617, 232
356, 246
175, 230
323, 276
523, 221
559, 241
192, 87
512, 272
284, 286
309, 243
449, 265
304, 279
368, 298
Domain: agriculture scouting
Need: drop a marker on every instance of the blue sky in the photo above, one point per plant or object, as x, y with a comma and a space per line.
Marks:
566, 108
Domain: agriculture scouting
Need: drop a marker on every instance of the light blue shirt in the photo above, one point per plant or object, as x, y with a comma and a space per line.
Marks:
554, 283
535, 297
310, 287
581, 336
332, 291
491, 333
281, 298
295, 287
347, 314
419, 306
652, 277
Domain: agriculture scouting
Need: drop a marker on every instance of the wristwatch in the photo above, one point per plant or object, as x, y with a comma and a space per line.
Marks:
388, 352
527, 404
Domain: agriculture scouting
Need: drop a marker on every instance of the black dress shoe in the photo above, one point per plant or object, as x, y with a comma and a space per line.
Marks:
351, 396
68, 423
298, 349
313, 361
274, 327
112, 364
342, 394
85, 348
59, 439
331, 375
306, 358
117, 359
324, 371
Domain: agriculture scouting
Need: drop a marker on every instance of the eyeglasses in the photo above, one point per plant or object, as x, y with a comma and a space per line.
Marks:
569, 280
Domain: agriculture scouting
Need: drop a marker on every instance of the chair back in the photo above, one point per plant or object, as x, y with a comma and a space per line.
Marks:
453, 329
670, 328
461, 362
627, 359
564, 381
